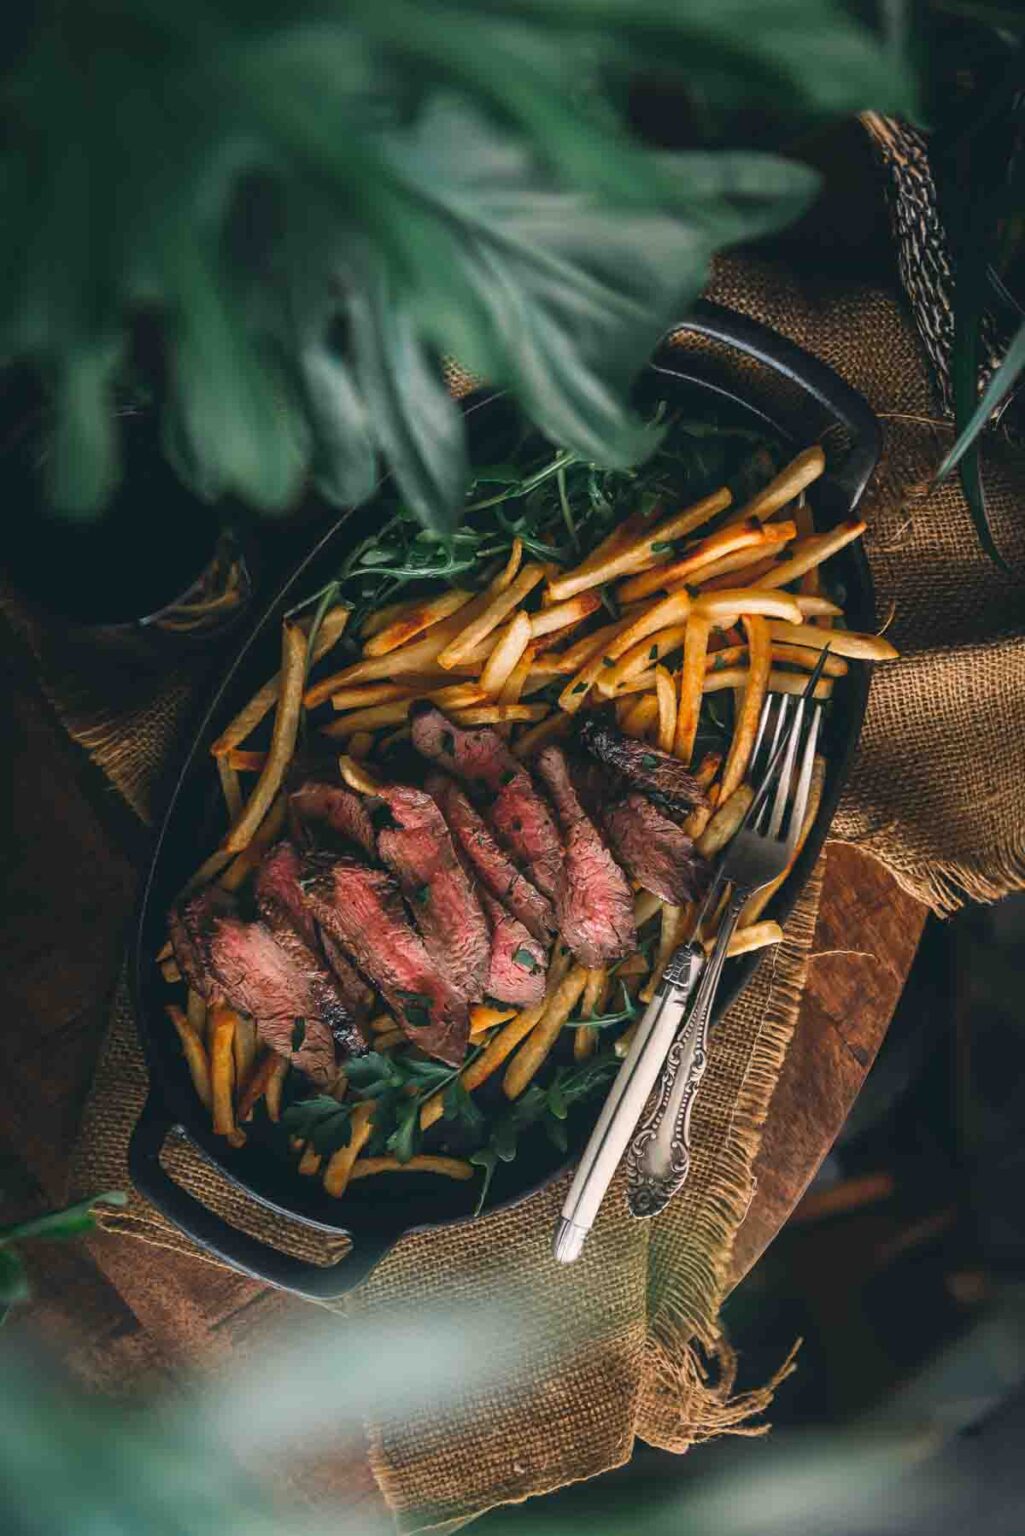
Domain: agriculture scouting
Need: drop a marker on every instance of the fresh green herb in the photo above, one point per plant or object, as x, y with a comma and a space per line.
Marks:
508, 776
649, 760
662, 547
608, 661
653, 653
417, 1017
580, 688
525, 959
421, 894
52, 1226
298, 1034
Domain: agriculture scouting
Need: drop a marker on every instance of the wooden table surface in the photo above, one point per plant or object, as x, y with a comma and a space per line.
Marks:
114, 1308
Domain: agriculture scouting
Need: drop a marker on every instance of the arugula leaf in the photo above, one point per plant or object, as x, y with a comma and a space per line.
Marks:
404, 1140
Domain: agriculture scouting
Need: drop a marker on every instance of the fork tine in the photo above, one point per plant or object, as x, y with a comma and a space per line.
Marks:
803, 788
785, 784
763, 721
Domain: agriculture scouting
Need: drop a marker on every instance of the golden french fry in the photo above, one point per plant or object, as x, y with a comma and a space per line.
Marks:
360, 745
244, 1048
732, 657
484, 1017
210, 867
274, 1089
264, 700
585, 1042
378, 716
286, 726
231, 789
310, 1162
416, 618
509, 572
257, 1083
509, 648
644, 552
665, 694
692, 675
559, 616
594, 988
519, 680
642, 682
725, 607
756, 904
364, 783
645, 906
574, 656
382, 1024
382, 617
707, 769
339, 1168
706, 552
674, 609
640, 717
555, 728
675, 923
807, 553
812, 606
580, 684
640, 657
788, 484
779, 682
500, 607
534, 1050
389, 1040
752, 560
420, 1162
841, 642
746, 723
626, 1040
244, 761
169, 971
195, 1012
164, 952
498, 714
363, 697
194, 1053
754, 936
222, 1067
269, 830
724, 823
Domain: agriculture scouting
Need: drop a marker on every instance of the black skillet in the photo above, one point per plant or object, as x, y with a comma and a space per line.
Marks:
376, 1213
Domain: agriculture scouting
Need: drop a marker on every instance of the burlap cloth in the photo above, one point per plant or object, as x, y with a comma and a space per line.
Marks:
936, 794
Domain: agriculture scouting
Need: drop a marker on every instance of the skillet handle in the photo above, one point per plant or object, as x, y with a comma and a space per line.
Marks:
313, 1282
786, 358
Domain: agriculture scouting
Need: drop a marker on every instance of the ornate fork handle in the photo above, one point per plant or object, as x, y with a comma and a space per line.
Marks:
658, 1161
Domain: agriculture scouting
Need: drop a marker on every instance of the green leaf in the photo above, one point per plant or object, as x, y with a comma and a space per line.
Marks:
344, 458
72, 1221
556, 1100
459, 1105
332, 1131
14, 1285
372, 1070
404, 1140
486, 1159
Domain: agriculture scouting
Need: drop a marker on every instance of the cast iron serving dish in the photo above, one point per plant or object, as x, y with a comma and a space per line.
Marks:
756, 377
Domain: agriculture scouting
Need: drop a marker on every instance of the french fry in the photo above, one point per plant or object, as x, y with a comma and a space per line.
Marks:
674, 609
415, 619
534, 1050
626, 1040
169, 971
339, 1167
779, 682
752, 561
644, 552
746, 722
725, 822
707, 769
195, 1012
509, 648
210, 868
519, 679
724, 608
483, 1017
580, 684
640, 717
382, 617
310, 1162
222, 1067
585, 1042
231, 789
675, 921
511, 568
263, 701
692, 675
360, 745
812, 606
194, 1053
574, 656
665, 694
389, 1040
560, 616
286, 726
706, 552
257, 1083
382, 1024
555, 728
498, 714
841, 642
810, 552
268, 831
420, 1162
744, 940
592, 1002
500, 607
646, 904
369, 694
243, 761
377, 716
734, 656
274, 1089
757, 903
653, 648
164, 952
801, 472
244, 1048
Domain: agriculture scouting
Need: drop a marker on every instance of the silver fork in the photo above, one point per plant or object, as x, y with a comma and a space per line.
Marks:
656, 1030
659, 1158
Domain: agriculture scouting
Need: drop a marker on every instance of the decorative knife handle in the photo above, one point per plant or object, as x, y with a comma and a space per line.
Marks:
659, 1158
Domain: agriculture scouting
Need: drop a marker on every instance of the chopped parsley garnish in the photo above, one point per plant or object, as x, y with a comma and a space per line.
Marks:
649, 760
662, 547
608, 661
653, 653
421, 894
580, 688
417, 1017
526, 959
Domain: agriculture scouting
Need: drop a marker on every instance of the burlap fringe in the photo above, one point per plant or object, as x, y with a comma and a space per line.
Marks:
946, 889
683, 1401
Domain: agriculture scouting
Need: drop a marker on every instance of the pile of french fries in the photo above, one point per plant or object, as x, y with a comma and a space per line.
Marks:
736, 607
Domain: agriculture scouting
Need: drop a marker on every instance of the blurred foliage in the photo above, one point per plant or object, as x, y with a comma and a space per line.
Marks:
51, 1226
276, 217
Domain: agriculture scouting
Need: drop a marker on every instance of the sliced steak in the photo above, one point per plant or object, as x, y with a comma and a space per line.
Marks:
518, 814
517, 964
317, 805
361, 909
418, 849
653, 849
358, 996
656, 774
283, 907
245, 963
593, 904
491, 865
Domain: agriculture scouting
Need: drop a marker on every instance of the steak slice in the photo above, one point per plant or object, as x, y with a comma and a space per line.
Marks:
282, 906
362, 909
594, 904
653, 849
492, 867
316, 804
245, 963
517, 964
418, 850
656, 774
357, 995
518, 814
